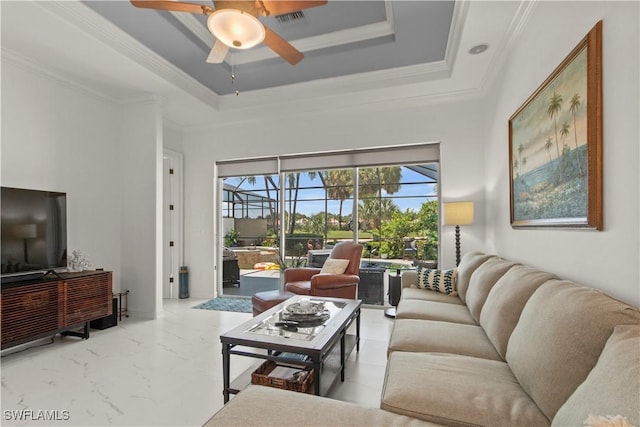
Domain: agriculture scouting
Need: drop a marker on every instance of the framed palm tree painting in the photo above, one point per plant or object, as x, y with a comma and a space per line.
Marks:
555, 145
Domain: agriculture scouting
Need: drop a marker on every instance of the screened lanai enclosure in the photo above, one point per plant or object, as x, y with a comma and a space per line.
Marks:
294, 218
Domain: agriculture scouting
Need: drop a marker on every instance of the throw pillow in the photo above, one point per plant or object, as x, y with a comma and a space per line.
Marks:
334, 266
443, 281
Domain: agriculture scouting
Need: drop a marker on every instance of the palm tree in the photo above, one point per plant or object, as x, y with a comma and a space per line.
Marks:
555, 104
373, 212
573, 108
520, 151
339, 183
339, 186
294, 184
564, 132
293, 180
374, 180
547, 146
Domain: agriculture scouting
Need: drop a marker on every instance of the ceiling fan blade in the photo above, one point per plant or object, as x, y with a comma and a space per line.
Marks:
249, 6
280, 7
282, 47
175, 6
218, 52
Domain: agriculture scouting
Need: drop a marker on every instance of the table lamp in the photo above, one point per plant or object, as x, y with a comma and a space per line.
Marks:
25, 232
458, 213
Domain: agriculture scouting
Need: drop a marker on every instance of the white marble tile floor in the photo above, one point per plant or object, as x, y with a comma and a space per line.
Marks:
165, 372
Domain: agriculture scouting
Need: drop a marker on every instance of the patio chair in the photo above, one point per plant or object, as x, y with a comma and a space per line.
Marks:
410, 250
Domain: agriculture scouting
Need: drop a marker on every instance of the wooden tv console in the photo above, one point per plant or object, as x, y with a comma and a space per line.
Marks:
54, 304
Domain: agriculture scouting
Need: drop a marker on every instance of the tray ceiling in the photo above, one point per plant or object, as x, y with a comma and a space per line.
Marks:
340, 38
358, 53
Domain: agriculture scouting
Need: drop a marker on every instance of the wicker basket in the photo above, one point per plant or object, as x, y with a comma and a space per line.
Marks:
302, 383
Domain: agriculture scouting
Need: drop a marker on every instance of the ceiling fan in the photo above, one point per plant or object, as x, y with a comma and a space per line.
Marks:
235, 24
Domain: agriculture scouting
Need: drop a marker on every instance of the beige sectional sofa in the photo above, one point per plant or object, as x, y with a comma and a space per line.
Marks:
515, 347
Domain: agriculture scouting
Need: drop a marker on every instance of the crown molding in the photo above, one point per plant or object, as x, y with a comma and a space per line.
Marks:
94, 25
518, 23
460, 11
34, 66
151, 99
335, 86
412, 96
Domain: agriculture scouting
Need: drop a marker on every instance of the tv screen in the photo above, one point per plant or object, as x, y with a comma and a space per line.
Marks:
34, 230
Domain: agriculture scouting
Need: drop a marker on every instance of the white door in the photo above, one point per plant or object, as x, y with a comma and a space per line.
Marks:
172, 223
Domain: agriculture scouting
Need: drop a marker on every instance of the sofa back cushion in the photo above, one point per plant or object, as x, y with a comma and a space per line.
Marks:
505, 302
481, 282
613, 386
468, 264
559, 337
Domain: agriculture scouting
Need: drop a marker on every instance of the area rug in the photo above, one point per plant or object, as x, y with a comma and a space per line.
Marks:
239, 305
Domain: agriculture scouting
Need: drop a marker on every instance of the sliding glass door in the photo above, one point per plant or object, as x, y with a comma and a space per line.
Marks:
249, 225
294, 217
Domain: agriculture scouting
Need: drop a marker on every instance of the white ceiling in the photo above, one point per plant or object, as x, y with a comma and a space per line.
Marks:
355, 53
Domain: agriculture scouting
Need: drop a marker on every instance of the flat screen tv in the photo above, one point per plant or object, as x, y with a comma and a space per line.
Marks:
34, 232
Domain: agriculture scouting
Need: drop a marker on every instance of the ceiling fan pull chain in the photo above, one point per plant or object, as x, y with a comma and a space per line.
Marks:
233, 74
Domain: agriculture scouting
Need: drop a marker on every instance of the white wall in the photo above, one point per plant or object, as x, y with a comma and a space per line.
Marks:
106, 157
141, 194
609, 259
56, 137
454, 124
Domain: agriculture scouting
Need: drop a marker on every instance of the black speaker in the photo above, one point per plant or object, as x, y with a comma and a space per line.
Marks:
108, 321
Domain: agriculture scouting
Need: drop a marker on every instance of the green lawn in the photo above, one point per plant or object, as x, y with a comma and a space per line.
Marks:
346, 234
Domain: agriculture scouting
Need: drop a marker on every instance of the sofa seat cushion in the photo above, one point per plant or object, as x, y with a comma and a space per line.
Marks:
428, 336
457, 391
423, 294
612, 387
433, 310
265, 406
560, 335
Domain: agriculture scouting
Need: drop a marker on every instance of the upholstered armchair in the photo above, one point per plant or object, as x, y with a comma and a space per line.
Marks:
316, 282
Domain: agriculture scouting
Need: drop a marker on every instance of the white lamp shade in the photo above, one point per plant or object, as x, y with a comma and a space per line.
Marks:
25, 231
236, 28
458, 213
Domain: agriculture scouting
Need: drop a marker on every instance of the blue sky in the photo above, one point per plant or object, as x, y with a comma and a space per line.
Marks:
311, 200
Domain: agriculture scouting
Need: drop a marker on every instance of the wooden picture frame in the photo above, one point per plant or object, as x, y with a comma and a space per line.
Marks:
555, 145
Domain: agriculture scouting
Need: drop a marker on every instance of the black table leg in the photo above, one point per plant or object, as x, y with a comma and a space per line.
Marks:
358, 330
225, 371
316, 376
342, 352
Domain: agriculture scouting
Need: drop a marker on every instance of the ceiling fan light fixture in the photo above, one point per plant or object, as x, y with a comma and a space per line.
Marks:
236, 28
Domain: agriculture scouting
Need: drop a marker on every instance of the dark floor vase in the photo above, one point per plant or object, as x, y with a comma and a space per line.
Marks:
184, 283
